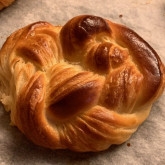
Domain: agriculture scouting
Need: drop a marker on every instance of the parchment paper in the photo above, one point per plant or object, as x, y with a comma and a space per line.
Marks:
147, 18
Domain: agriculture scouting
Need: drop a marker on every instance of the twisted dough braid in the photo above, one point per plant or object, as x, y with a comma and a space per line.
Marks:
5, 3
83, 86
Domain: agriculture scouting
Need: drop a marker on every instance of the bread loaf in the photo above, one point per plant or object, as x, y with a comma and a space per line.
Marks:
5, 3
82, 86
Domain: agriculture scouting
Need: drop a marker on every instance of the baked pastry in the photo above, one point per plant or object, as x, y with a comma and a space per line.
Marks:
5, 3
83, 86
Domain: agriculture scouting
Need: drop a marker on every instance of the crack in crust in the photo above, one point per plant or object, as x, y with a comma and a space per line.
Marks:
83, 86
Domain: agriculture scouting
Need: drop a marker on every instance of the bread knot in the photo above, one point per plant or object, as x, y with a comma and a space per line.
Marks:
83, 86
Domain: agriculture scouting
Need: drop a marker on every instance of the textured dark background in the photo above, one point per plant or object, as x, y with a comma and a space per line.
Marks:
147, 18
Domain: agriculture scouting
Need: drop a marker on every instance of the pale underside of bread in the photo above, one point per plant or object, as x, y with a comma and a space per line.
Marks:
83, 86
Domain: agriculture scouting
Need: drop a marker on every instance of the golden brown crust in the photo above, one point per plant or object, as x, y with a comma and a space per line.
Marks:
5, 3
83, 86
144, 56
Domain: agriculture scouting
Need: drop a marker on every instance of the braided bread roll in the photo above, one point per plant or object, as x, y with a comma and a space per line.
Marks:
5, 3
84, 86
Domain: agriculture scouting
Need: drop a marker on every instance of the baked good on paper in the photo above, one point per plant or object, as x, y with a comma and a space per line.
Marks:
5, 3
83, 86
